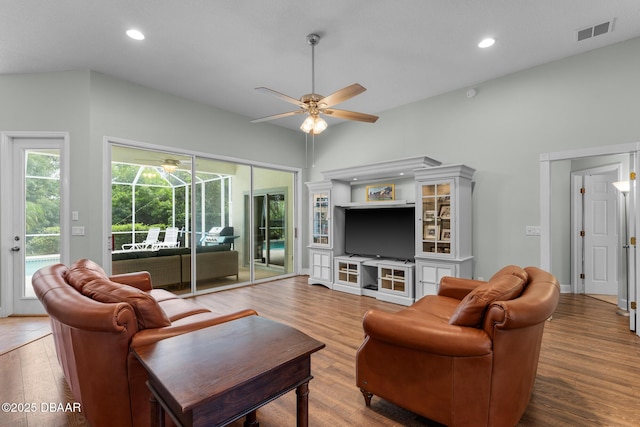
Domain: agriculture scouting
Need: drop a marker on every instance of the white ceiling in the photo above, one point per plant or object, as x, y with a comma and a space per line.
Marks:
217, 52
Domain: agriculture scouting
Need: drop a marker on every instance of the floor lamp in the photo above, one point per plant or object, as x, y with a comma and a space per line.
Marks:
623, 187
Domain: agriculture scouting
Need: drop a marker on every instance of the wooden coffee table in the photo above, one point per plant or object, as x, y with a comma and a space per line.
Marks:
216, 375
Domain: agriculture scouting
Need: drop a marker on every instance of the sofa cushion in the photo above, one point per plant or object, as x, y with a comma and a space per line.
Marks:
82, 272
513, 270
434, 307
214, 248
119, 256
148, 312
471, 309
179, 308
162, 295
172, 251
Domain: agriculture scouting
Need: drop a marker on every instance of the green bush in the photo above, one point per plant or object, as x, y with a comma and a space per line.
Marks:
44, 245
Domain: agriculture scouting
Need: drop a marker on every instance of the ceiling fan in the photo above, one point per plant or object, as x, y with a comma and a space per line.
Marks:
169, 165
314, 105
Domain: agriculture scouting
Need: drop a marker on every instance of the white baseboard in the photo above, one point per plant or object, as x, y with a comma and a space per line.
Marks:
565, 289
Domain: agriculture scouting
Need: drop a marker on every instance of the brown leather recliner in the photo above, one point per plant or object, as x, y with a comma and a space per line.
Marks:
465, 357
96, 320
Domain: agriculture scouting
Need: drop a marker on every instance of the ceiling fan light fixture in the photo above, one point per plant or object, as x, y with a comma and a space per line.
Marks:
135, 34
170, 165
313, 124
488, 42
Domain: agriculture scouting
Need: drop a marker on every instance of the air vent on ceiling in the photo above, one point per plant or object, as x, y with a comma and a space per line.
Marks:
596, 30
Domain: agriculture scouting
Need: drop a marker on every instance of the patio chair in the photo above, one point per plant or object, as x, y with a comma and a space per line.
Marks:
170, 239
147, 243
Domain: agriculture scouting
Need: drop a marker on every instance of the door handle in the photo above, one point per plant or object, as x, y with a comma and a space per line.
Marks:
15, 249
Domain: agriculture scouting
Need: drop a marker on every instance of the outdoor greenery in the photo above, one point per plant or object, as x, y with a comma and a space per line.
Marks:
42, 209
153, 191
160, 199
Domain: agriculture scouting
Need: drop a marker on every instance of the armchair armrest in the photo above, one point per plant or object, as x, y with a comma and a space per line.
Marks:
456, 287
535, 305
138, 279
186, 324
426, 335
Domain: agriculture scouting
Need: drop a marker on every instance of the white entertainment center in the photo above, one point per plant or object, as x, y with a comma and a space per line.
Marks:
377, 264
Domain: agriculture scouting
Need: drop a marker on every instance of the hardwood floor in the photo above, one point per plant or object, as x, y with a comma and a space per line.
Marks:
588, 373
18, 331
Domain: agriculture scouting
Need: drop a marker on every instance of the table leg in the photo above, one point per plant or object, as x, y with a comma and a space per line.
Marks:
157, 412
302, 393
251, 420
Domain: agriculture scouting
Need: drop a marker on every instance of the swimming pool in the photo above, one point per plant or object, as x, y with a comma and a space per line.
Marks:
34, 263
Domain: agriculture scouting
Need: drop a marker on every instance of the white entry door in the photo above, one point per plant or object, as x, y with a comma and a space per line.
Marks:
601, 238
34, 230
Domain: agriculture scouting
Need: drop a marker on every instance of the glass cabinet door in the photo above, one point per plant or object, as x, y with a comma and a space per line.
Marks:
392, 279
320, 219
436, 218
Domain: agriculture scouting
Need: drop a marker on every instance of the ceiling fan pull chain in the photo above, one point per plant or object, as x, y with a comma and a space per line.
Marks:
313, 150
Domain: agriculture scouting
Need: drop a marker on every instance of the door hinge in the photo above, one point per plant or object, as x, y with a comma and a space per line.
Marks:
582, 275
632, 240
633, 305
632, 176
582, 190
581, 233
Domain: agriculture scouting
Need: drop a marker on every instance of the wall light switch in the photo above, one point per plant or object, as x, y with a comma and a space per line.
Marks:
74, 216
533, 230
77, 231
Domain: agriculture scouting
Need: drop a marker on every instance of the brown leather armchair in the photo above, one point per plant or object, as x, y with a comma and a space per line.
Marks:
465, 357
96, 320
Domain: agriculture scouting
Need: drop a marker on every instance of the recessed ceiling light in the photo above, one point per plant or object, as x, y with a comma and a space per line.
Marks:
135, 34
488, 42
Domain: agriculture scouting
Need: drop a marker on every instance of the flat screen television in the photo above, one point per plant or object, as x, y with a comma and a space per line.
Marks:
380, 232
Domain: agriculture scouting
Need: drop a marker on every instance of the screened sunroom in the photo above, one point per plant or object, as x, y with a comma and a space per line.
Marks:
197, 223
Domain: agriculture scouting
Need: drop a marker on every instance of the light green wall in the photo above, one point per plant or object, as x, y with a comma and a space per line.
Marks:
91, 105
588, 100
46, 102
126, 110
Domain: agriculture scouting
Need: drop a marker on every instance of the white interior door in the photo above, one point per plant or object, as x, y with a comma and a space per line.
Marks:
601, 238
33, 231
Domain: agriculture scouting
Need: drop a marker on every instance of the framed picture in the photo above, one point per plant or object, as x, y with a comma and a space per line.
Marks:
445, 235
429, 216
430, 232
445, 211
381, 193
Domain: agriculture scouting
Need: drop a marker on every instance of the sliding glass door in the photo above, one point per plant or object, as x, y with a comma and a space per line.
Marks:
219, 248
199, 224
272, 220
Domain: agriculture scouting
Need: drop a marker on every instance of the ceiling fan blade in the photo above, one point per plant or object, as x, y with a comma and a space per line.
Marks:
277, 116
350, 115
282, 96
341, 95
